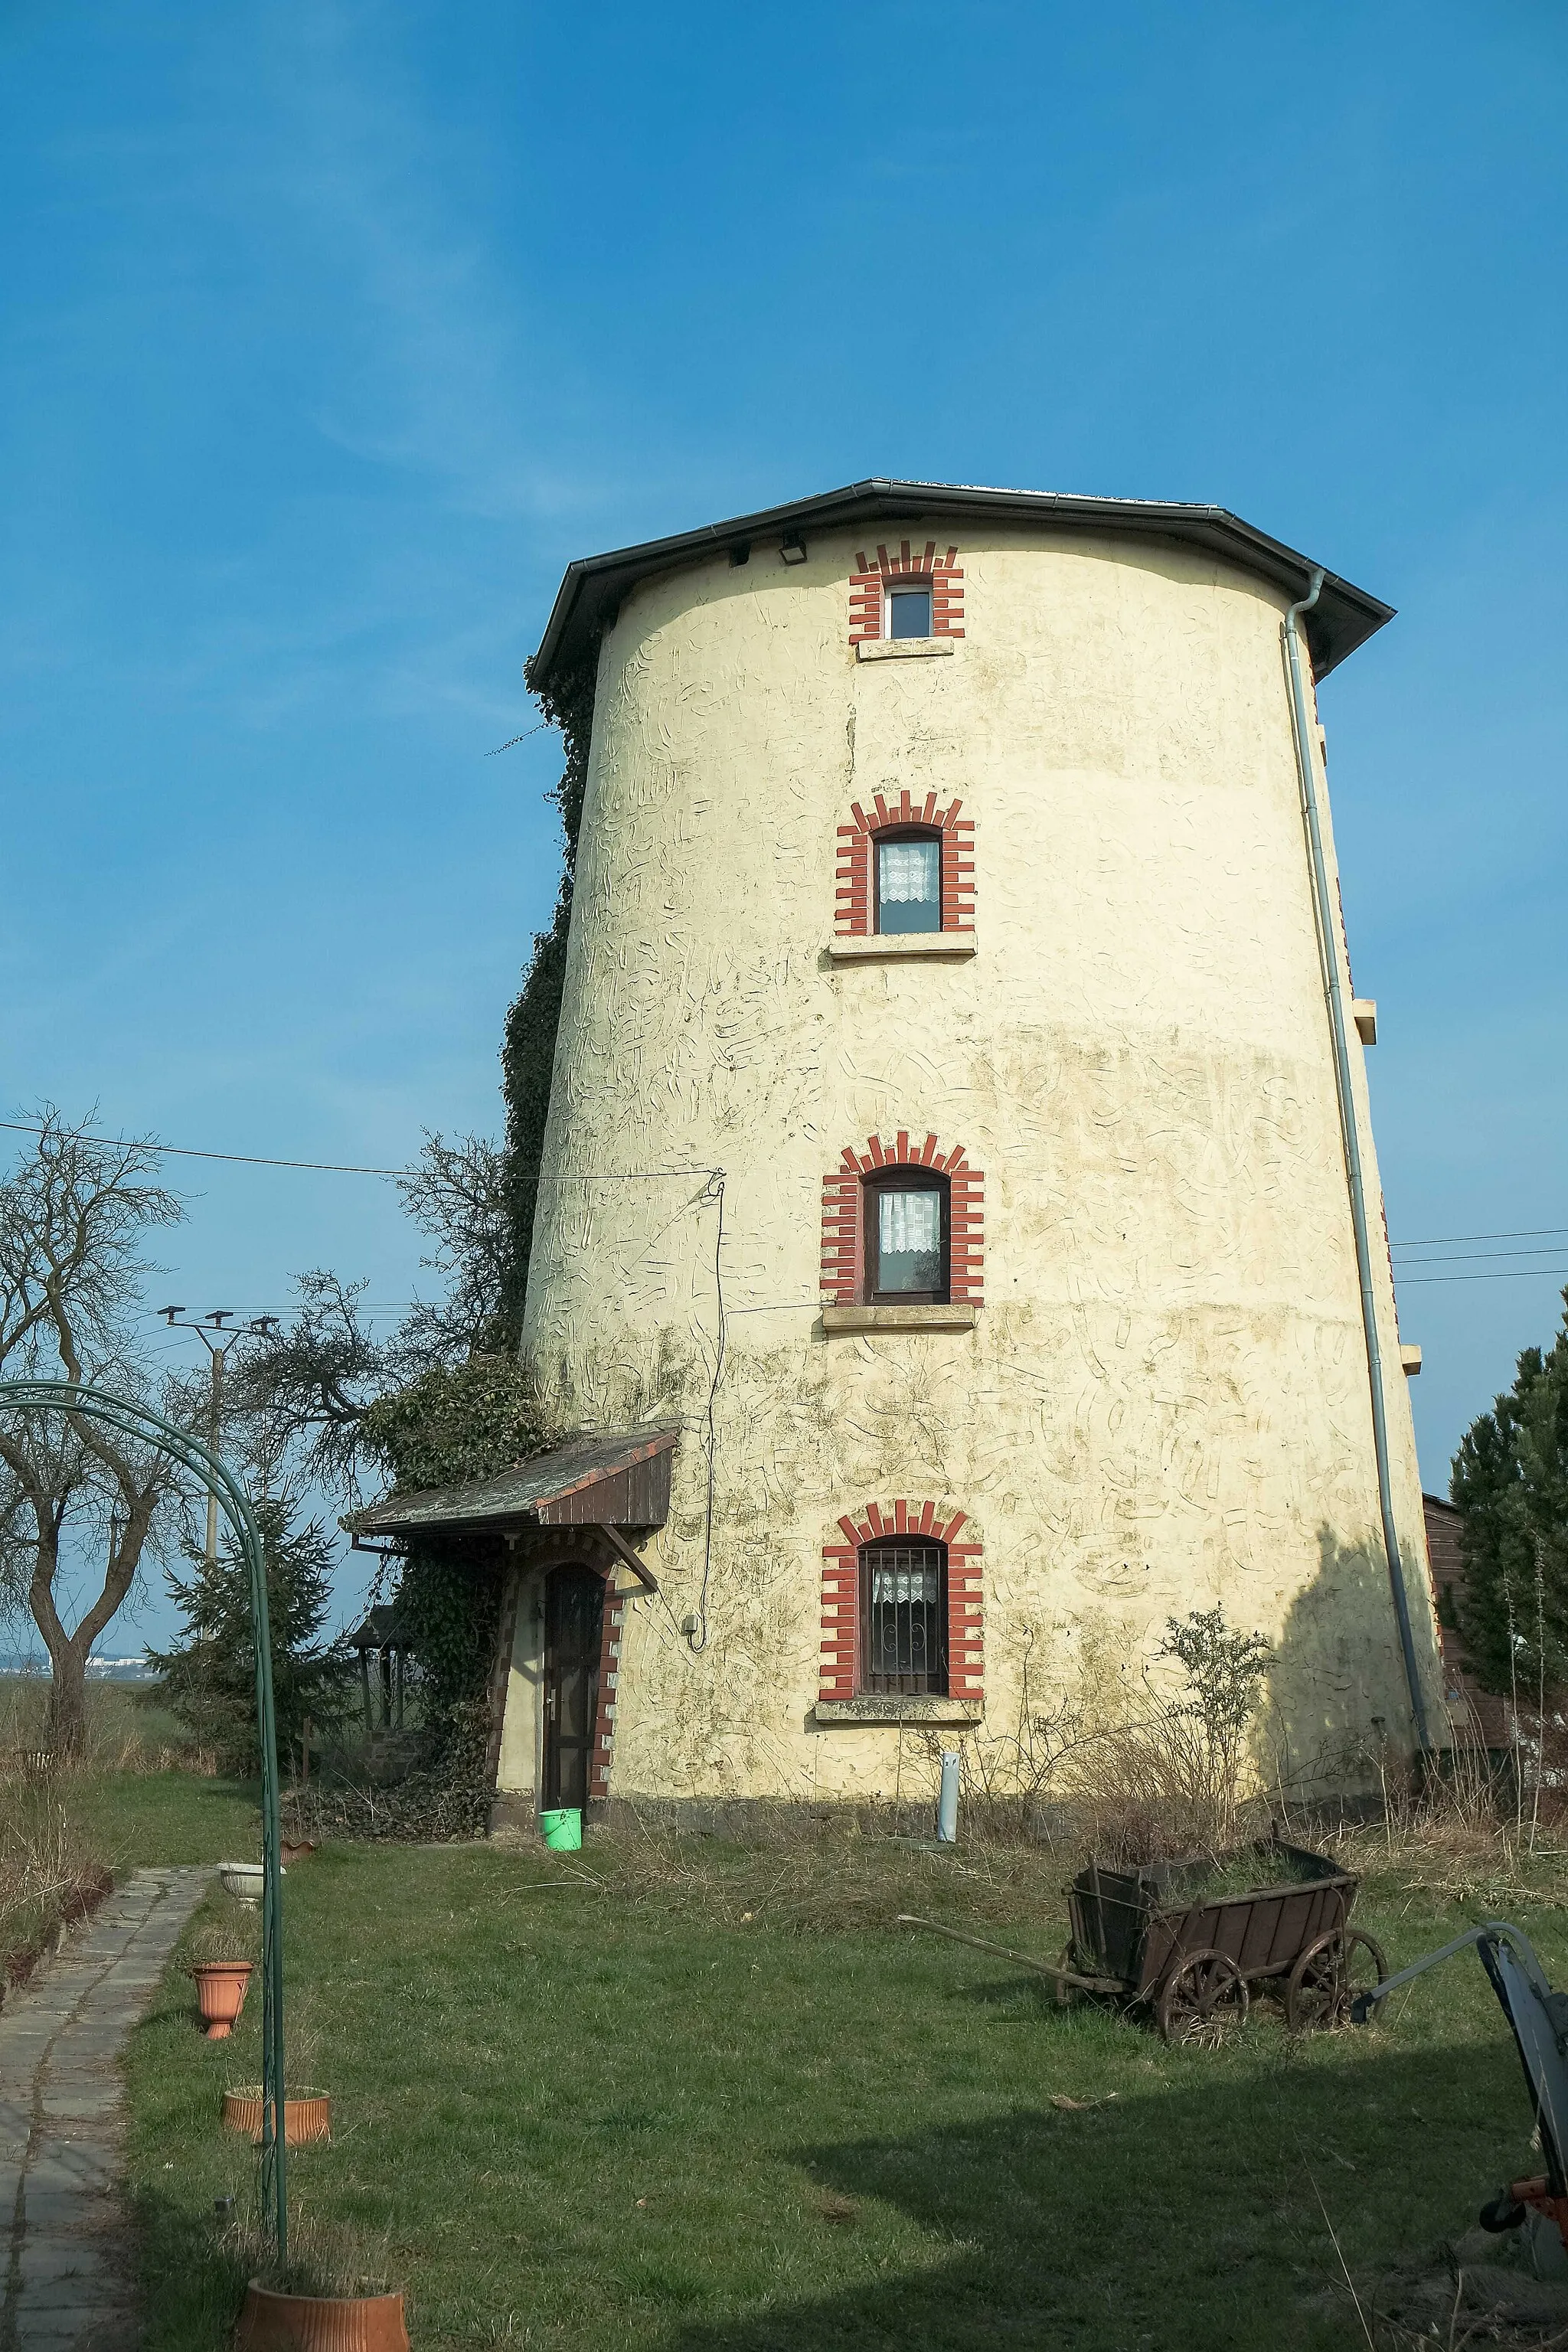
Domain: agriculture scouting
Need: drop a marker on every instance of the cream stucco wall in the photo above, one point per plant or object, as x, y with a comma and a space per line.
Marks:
1165, 1402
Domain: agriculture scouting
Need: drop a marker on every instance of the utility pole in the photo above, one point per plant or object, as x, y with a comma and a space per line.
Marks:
217, 1348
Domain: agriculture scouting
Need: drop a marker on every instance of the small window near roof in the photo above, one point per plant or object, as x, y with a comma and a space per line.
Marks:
909, 882
908, 612
907, 1239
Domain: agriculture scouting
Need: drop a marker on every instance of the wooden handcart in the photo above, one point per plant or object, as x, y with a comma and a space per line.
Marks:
1153, 1939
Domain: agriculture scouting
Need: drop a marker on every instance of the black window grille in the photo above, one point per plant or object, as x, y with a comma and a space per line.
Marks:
903, 1617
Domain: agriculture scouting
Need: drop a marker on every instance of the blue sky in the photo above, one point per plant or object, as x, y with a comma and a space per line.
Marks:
333, 333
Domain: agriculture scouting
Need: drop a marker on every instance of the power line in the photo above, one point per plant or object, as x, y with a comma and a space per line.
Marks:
1513, 1274
660, 1175
186, 1151
342, 1168
1485, 1257
1525, 1233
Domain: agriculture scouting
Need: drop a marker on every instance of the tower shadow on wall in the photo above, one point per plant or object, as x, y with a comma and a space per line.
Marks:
1337, 1702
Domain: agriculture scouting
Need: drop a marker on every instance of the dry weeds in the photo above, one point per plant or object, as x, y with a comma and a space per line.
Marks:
47, 1880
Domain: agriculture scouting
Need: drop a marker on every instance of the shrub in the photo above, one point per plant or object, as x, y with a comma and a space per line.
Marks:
208, 1680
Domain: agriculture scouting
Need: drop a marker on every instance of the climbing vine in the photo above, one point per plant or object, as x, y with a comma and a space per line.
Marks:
454, 1423
528, 1043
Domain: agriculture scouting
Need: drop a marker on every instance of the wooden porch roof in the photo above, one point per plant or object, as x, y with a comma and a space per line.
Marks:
613, 1478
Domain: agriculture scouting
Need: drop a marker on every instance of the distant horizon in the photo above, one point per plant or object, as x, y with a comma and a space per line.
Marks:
23, 1665
334, 336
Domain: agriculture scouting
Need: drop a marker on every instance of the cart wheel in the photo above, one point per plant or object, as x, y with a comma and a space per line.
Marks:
1364, 1968
1316, 1994
1328, 1977
1203, 2002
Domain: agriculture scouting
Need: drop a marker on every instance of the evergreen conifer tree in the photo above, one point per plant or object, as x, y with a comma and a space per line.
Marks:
209, 1679
1509, 1484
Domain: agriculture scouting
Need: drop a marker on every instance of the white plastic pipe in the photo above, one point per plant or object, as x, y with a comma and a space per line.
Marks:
947, 1803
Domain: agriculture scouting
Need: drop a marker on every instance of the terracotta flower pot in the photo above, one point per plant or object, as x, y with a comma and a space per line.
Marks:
306, 2114
296, 1852
220, 1994
320, 2323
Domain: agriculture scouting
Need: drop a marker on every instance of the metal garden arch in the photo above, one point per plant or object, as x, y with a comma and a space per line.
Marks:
137, 1421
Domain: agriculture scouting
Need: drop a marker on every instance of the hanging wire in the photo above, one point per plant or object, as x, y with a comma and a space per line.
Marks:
521, 738
714, 1192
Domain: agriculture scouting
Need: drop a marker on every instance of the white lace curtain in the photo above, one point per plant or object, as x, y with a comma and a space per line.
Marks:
910, 1223
910, 872
897, 1584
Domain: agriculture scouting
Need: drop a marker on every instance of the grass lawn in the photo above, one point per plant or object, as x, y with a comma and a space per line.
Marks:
130, 1819
576, 2115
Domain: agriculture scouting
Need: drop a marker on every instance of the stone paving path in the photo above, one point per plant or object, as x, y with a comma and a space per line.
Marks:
68, 2274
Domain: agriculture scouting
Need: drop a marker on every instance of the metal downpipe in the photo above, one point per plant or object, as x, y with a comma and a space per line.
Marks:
1328, 947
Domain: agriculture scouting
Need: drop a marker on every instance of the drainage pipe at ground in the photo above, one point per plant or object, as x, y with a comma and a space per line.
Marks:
1334, 988
947, 1800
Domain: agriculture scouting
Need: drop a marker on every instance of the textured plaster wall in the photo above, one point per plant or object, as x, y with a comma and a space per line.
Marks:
1166, 1401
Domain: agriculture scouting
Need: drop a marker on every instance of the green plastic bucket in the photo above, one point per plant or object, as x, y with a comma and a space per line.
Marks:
562, 1829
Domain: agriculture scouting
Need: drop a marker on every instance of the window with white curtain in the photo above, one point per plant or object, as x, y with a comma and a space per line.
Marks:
906, 1238
908, 883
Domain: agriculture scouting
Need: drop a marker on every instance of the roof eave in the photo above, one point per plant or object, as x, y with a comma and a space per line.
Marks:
1343, 618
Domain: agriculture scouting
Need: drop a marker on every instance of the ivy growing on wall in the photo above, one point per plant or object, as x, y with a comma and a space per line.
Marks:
454, 1423
528, 1043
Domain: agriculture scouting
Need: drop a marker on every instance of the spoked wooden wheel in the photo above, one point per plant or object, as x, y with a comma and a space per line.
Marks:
1202, 2002
1364, 1968
1328, 1977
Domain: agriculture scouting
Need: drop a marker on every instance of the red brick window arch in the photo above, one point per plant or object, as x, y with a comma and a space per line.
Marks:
864, 1230
863, 881
902, 1605
874, 587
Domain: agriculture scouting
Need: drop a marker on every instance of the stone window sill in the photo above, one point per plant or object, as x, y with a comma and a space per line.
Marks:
1363, 1012
884, 947
903, 648
890, 1709
956, 1318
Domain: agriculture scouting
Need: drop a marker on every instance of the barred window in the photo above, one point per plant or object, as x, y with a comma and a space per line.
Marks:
903, 1617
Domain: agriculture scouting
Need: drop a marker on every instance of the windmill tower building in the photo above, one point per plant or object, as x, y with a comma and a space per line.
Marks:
959, 1244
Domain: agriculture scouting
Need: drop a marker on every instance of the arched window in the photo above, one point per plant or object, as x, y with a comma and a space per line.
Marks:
903, 1222
908, 878
907, 1229
903, 1617
905, 864
900, 1598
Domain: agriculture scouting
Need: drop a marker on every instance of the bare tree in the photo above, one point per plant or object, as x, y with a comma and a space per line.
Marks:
457, 1194
303, 1389
75, 1212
